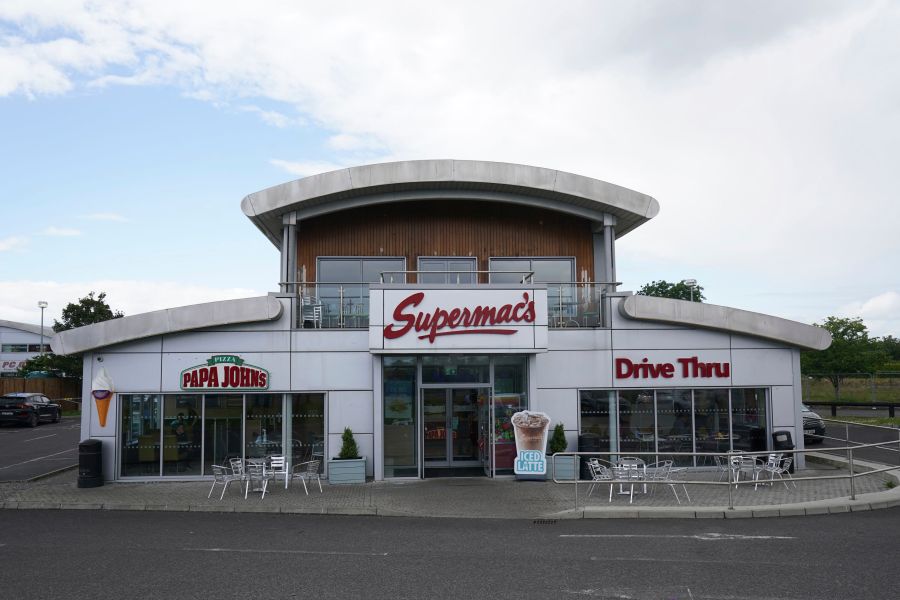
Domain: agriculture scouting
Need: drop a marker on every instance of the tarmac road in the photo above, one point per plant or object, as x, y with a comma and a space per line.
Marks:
27, 452
101, 555
836, 433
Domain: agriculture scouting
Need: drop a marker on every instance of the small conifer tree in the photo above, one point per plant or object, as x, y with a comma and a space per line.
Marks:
348, 446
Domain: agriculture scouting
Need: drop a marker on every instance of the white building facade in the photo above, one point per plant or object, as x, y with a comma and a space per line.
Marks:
425, 344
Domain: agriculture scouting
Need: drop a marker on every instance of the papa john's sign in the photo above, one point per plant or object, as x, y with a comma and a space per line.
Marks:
440, 319
225, 372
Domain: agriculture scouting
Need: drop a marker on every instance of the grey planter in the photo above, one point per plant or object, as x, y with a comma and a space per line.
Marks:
351, 470
565, 467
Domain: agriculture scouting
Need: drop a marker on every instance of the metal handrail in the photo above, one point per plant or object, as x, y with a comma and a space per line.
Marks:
852, 475
527, 274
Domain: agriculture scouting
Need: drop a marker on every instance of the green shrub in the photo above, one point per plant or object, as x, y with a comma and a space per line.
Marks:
558, 439
348, 446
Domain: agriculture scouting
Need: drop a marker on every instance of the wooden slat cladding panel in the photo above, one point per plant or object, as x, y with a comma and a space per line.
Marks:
445, 228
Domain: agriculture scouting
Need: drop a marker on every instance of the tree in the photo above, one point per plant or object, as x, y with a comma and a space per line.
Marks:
86, 311
678, 291
851, 351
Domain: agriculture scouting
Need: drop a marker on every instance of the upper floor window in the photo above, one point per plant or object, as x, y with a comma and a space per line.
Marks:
546, 270
15, 348
361, 270
456, 270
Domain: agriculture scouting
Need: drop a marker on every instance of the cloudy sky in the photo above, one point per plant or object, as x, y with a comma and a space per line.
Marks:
769, 132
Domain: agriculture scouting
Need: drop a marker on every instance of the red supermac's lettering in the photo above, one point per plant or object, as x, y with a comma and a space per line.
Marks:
690, 368
456, 321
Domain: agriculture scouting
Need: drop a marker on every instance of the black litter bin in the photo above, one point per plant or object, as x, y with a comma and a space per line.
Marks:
781, 441
90, 464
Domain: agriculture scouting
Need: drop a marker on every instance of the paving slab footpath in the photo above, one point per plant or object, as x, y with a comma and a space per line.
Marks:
466, 498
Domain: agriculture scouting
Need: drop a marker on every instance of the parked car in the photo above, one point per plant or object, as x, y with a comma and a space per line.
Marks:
813, 426
27, 408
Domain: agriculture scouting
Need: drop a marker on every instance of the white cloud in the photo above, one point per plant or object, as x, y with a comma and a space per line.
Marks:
106, 217
271, 117
768, 132
15, 242
304, 169
18, 299
880, 313
61, 232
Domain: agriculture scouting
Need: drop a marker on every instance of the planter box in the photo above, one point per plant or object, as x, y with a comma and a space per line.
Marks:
565, 467
351, 470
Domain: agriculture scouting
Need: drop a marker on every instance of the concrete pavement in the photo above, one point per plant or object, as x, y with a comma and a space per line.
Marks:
475, 497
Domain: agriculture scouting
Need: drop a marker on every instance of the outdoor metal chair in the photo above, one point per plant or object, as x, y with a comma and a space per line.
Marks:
307, 470
599, 475
784, 469
772, 463
257, 480
278, 467
661, 472
721, 466
310, 312
222, 476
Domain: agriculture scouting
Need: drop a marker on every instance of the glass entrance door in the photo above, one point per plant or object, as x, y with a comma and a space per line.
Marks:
451, 426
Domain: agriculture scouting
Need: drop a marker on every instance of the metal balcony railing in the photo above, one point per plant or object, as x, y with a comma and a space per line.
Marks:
345, 305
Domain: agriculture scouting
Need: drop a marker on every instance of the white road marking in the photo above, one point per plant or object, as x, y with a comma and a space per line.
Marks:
699, 536
249, 551
39, 438
38, 458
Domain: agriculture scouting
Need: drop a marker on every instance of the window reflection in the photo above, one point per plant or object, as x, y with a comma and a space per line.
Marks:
140, 434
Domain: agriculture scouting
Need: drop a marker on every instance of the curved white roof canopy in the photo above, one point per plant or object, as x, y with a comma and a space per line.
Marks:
161, 322
447, 179
48, 331
724, 318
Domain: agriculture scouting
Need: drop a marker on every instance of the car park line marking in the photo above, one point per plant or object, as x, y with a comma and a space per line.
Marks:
39, 438
38, 458
699, 536
249, 551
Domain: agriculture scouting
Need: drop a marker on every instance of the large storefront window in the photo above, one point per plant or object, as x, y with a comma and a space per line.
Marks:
183, 435
182, 432
262, 426
400, 417
659, 424
674, 423
510, 397
748, 419
222, 423
636, 421
140, 435
307, 431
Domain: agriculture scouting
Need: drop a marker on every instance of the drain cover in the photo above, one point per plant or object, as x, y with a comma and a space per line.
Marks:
544, 522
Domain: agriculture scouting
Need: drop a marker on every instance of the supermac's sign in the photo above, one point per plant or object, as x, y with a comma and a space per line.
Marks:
225, 372
458, 319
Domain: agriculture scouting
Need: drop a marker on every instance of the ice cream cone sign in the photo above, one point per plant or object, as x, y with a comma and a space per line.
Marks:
102, 391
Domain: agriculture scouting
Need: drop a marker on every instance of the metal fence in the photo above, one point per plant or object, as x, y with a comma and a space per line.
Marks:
726, 487
881, 386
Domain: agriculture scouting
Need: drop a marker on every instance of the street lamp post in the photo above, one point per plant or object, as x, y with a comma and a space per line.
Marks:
42, 304
691, 283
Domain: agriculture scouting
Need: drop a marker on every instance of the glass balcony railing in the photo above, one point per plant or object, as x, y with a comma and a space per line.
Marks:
346, 305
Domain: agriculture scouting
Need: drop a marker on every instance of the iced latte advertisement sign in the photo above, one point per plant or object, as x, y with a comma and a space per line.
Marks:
530, 429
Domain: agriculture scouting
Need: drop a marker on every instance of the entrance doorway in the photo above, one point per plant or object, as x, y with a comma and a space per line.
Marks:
451, 427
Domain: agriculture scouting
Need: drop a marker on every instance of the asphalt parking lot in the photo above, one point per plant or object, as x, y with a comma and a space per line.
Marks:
26, 453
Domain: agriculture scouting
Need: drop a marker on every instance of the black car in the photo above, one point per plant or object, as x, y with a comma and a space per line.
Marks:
813, 426
27, 408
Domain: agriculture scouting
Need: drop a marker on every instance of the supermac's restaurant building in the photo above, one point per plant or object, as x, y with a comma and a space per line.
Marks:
421, 304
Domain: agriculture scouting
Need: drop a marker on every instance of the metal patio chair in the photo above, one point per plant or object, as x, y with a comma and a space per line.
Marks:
222, 476
772, 463
257, 480
307, 470
600, 474
278, 467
